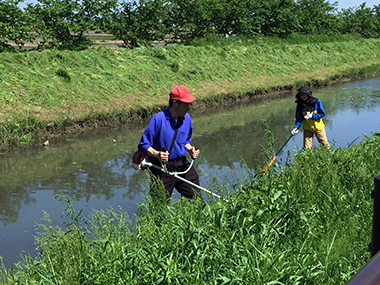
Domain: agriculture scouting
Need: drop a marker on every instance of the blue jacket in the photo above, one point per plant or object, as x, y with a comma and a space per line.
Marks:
315, 123
160, 132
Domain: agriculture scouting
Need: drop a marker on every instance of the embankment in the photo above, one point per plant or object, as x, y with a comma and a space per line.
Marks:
55, 94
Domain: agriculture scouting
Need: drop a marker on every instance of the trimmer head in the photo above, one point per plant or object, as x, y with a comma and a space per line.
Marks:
145, 164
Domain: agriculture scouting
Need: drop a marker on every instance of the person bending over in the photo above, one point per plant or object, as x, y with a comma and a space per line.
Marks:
311, 110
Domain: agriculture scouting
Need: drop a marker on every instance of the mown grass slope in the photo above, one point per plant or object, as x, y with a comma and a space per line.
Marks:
43, 93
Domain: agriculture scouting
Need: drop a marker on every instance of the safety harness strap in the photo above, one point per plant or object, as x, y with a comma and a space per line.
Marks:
175, 135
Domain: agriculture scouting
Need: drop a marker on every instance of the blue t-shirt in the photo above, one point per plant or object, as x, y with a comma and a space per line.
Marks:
160, 132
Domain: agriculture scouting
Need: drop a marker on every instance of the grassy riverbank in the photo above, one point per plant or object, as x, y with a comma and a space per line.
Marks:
54, 93
305, 223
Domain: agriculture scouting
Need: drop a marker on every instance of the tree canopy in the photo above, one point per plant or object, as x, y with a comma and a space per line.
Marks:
64, 24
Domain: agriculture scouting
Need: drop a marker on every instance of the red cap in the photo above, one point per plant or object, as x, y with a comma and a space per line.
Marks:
181, 93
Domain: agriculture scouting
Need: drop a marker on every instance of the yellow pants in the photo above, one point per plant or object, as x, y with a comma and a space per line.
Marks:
320, 135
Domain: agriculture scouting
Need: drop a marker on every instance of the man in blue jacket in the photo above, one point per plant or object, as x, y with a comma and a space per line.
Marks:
167, 138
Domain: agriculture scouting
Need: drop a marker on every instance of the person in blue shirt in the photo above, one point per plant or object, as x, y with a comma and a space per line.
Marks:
310, 111
164, 144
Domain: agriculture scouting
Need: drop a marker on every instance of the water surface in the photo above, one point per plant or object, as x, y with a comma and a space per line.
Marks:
93, 171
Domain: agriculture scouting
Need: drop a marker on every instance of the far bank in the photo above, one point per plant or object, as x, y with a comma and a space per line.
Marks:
53, 94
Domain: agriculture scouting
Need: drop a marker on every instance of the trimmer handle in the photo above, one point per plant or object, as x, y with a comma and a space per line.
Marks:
164, 163
193, 157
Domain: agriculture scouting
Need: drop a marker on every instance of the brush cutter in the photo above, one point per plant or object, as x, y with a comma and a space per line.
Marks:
145, 164
274, 157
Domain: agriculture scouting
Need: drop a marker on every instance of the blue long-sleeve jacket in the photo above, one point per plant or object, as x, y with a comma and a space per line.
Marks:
315, 123
160, 132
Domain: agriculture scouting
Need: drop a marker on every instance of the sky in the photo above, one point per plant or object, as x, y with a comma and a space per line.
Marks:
342, 4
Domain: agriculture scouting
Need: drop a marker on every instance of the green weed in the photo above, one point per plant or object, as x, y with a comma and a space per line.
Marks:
308, 222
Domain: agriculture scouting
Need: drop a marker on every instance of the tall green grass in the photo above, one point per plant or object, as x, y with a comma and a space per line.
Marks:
308, 222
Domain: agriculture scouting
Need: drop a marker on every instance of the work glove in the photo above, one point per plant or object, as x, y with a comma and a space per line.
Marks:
308, 115
294, 131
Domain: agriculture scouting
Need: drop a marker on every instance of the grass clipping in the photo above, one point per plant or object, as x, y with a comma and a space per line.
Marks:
55, 85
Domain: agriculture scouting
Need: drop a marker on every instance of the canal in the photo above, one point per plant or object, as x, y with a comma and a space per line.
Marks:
94, 170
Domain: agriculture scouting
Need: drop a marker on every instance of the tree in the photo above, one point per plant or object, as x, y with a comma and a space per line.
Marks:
276, 18
376, 19
63, 24
360, 20
188, 19
138, 23
317, 17
14, 26
234, 17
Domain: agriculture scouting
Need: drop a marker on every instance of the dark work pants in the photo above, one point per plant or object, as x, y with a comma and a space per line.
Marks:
179, 165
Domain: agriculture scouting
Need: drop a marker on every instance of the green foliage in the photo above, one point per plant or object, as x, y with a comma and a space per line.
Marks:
20, 131
277, 17
138, 23
231, 18
14, 26
308, 222
361, 20
188, 19
63, 24
63, 73
317, 17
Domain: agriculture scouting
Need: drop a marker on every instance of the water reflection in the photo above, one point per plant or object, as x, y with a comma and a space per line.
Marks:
94, 171
11, 199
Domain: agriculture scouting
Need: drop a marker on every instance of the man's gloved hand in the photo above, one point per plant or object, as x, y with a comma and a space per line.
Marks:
294, 131
308, 115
